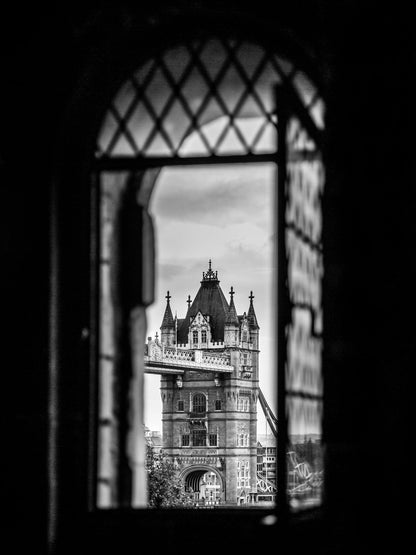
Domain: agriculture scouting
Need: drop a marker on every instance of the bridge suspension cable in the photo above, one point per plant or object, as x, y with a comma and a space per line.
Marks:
268, 413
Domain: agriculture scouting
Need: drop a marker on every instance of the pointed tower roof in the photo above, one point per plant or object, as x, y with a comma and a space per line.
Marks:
251, 315
210, 301
168, 321
232, 318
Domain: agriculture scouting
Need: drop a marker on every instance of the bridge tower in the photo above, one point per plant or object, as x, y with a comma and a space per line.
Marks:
209, 369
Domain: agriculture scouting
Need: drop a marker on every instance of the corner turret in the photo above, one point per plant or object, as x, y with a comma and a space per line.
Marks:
231, 324
168, 325
252, 323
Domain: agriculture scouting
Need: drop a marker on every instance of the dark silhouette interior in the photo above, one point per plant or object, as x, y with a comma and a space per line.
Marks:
60, 67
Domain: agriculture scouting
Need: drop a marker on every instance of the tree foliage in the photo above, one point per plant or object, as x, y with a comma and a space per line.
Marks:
165, 488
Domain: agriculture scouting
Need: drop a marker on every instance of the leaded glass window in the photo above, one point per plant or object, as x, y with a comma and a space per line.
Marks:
210, 97
199, 403
213, 440
199, 438
301, 262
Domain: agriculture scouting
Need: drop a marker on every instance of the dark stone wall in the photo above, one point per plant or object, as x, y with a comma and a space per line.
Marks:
59, 67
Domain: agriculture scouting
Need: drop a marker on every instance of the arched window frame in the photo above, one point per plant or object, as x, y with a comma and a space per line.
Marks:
281, 117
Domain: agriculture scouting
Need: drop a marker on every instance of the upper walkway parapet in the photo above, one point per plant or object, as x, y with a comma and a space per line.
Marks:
161, 359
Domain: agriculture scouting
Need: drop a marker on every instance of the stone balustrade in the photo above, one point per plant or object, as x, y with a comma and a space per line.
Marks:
197, 358
215, 359
177, 354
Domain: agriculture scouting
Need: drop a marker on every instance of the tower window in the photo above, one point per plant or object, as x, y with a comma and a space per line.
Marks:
185, 440
199, 403
199, 438
217, 404
195, 337
213, 440
180, 405
203, 336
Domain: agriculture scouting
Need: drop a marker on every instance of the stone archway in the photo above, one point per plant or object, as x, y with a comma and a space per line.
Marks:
204, 484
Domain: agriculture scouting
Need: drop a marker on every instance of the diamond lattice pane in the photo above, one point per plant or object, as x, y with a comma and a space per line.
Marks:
141, 125
199, 94
177, 61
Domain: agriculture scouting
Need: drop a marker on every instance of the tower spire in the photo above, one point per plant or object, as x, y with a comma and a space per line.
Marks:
232, 317
167, 321
251, 315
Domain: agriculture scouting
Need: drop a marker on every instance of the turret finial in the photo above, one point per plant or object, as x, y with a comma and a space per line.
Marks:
232, 292
189, 301
168, 297
251, 296
210, 275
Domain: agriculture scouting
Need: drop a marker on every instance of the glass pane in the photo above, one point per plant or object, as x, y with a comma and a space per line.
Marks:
304, 356
304, 384
304, 453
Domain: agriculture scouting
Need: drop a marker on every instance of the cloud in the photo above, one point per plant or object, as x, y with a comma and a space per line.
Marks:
171, 270
217, 196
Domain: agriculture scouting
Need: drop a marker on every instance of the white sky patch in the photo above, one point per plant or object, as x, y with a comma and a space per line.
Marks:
179, 241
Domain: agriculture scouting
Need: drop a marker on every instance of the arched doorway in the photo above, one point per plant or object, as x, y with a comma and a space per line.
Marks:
204, 486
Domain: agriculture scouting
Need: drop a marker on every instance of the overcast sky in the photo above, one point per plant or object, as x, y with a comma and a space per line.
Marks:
222, 213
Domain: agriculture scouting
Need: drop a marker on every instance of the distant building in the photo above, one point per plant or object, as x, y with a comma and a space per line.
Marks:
153, 440
267, 457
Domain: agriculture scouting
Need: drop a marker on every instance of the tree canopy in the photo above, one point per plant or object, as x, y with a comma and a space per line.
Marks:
165, 488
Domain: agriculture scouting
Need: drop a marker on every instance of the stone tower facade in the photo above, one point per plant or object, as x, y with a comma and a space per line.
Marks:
210, 407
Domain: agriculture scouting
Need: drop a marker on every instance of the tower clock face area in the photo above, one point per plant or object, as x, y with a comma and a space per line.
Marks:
209, 348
